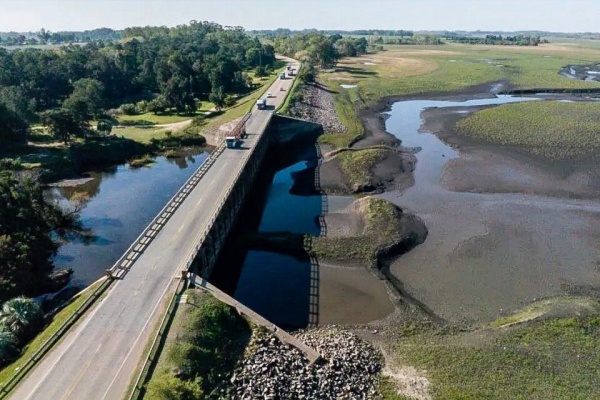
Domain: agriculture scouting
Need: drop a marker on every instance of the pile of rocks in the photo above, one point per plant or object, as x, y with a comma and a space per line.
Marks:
316, 104
274, 370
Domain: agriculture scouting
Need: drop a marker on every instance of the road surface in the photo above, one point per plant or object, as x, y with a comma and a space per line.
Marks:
99, 357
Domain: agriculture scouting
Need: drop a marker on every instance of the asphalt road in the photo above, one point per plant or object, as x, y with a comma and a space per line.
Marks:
99, 357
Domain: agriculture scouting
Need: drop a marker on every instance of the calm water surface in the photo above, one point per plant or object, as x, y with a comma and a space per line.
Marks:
122, 202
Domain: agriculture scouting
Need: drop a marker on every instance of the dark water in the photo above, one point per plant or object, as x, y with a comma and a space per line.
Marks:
122, 202
277, 285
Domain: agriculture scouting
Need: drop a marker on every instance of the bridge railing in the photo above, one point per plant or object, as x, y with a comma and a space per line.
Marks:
144, 375
138, 246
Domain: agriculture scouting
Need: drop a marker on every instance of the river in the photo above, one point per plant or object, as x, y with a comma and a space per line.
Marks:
122, 201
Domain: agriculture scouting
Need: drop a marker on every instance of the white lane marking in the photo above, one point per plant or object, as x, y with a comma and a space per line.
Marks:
45, 376
117, 375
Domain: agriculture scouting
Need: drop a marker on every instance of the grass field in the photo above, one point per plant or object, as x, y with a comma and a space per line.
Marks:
409, 70
164, 118
556, 358
551, 129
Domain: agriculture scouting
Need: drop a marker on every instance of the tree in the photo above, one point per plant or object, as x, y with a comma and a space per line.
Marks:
86, 98
30, 227
13, 128
104, 126
22, 317
157, 105
217, 97
44, 35
260, 71
65, 124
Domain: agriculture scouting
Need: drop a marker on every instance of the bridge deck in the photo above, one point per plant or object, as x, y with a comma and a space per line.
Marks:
98, 358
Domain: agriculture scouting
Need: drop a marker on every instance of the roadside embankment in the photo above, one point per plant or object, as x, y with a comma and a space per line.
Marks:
374, 162
213, 351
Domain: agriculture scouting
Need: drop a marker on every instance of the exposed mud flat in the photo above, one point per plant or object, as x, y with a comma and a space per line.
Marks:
351, 295
504, 229
582, 72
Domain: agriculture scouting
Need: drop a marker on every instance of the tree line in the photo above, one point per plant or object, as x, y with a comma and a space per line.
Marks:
44, 36
320, 50
274, 33
170, 67
517, 40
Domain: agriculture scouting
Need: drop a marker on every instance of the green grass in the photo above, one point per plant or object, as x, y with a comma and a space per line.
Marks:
206, 340
550, 129
164, 118
550, 359
140, 134
357, 166
383, 228
388, 390
346, 104
410, 70
33, 346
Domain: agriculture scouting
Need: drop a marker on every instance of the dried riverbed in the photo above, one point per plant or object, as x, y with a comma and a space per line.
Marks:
504, 229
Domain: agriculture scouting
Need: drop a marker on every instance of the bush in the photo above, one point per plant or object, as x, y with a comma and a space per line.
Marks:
229, 101
9, 347
22, 317
169, 387
142, 106
128, 109
260, 71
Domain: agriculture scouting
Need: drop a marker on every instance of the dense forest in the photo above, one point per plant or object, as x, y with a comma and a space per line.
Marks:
169, 67
274, 33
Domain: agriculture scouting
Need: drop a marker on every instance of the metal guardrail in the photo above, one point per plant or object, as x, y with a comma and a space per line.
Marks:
122, 264
47, 345
144, 375
149, 233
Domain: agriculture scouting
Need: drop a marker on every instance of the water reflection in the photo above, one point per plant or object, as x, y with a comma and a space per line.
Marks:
122, 201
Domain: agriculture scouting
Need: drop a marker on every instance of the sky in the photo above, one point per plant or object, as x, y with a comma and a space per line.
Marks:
504, 15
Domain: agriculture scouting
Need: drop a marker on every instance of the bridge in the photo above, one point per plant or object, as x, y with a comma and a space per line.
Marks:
98, 358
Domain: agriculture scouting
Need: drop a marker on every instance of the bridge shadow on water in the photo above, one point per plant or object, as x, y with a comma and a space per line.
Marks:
266, 262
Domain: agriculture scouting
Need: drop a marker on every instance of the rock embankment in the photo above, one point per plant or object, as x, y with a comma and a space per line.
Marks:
315, 103
273, 370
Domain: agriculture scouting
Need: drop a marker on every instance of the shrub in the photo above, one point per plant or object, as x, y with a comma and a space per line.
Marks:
22, 317
169, 387
142, 106
9, 347
128, 109
229, 101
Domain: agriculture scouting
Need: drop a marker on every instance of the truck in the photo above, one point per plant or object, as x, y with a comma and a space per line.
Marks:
261, 104
282, 75
237, 134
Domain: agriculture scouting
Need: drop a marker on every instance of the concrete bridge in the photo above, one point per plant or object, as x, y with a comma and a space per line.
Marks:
99, 357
